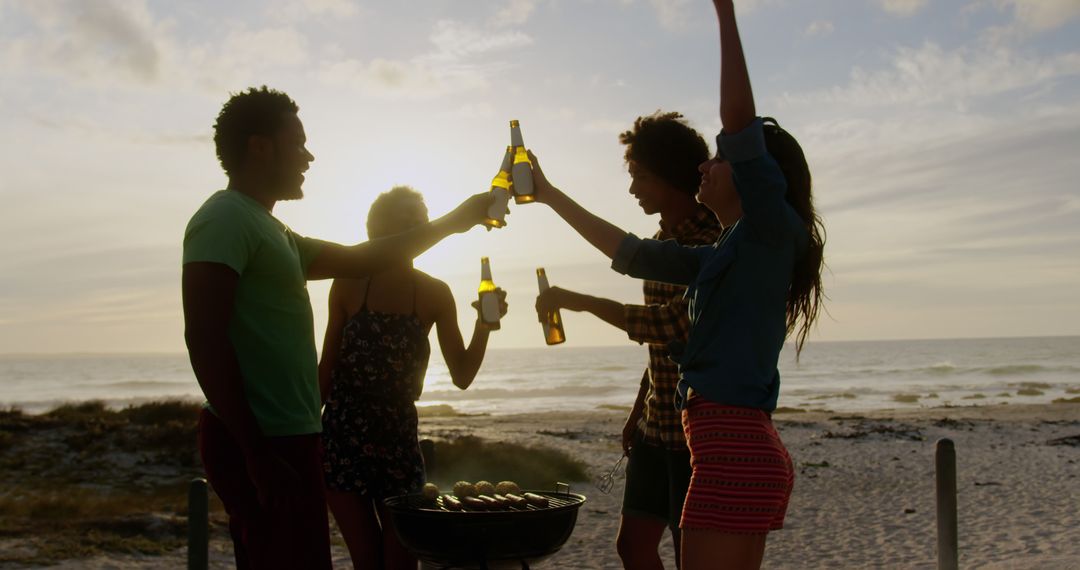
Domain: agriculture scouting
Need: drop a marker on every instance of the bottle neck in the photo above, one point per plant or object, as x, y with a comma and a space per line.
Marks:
485, 272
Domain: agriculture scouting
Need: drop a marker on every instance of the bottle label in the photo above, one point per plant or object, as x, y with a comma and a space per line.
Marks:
497, 209
523, 183
489, 307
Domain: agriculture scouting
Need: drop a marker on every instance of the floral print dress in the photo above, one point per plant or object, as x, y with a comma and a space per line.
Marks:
369, 423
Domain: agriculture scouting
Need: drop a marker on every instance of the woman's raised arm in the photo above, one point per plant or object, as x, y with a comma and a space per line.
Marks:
736, 98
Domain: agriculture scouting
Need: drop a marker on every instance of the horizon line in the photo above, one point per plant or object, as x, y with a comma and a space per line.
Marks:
510, 348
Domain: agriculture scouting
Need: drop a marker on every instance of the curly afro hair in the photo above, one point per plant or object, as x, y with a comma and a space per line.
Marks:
669, 148
257, 111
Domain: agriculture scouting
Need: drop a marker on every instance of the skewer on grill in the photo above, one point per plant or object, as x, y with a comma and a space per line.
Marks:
517, 501
451, 503
474, 504
536, 500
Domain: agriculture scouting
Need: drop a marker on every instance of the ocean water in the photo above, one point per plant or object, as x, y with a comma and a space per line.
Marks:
837, 376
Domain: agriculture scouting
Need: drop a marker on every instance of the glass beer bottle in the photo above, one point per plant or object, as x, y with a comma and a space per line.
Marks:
489, 298
521, 172
553, 327
500, 187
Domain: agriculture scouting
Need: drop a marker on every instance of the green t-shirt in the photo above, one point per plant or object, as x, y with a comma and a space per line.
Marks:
272, 329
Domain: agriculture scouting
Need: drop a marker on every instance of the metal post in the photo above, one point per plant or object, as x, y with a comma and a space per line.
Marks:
945, 468
198, 549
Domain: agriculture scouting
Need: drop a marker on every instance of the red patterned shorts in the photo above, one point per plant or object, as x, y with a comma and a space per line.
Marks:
742, 473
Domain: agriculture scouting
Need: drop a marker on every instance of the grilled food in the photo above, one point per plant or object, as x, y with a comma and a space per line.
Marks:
507, 487
536, 500
464, 489
485, 488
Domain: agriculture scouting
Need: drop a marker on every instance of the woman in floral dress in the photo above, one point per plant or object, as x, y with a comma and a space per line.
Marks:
374, 358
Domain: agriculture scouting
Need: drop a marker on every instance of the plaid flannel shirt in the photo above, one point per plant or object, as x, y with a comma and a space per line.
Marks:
664, 317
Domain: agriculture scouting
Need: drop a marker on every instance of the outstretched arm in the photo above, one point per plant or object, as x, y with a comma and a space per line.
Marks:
364, 259
600, 233
554, 298
736, 98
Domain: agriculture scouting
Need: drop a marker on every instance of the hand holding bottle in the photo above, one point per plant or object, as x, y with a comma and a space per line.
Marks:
472, 211
542, 189
503, 307
552, 299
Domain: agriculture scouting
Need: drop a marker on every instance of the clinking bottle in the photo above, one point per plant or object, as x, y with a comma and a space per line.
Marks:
521, 172
489, 298
500, 188
553, 327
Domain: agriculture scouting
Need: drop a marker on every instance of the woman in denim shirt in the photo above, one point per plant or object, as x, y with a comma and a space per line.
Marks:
747, 293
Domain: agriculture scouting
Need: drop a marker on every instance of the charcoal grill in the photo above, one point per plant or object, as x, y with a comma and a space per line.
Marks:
486, 540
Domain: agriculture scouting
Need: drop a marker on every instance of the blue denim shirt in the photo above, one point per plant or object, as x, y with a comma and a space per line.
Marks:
737, 287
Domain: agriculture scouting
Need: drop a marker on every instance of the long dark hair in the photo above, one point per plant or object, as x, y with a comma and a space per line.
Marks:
805, 297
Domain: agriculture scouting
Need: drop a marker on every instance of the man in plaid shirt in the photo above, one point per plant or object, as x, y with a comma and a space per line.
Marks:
663, 154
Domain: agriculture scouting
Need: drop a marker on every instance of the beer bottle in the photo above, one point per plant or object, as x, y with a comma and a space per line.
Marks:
500, 186
489, 298
521, 172
553, 327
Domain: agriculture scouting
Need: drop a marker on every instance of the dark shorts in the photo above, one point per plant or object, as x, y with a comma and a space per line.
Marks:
656, 482
297, 537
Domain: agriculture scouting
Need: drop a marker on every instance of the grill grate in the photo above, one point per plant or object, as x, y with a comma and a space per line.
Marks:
555, 501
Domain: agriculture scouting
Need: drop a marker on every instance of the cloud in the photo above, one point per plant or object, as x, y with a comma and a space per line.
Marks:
455, 40
114, 44
291, 10
930, 75
672, 13
513, 13
449, 68
283, 46
819, 28
90, 40
902, 8
1042, 15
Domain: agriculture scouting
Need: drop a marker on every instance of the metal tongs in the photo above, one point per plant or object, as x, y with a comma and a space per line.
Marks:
606, 482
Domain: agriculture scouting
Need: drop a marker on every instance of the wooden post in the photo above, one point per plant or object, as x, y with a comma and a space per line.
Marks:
198, 549
427, 450
945, 468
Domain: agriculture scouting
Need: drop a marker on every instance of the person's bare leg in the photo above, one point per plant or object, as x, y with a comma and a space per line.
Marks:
395, 555
712, 550
638, 541
676, 539
355, 517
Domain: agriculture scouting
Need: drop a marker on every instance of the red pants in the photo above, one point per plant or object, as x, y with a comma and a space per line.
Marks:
298, 537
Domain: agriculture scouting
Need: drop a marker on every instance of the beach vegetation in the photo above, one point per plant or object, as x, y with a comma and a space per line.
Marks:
906, 398
614, 408
974, 397
1067, 400
1072, 390
84, 479
1029, 392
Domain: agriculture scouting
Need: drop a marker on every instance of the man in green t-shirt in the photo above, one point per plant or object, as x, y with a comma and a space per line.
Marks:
250, 336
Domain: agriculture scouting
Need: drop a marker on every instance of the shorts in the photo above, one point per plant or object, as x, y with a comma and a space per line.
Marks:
742, 473
656, 482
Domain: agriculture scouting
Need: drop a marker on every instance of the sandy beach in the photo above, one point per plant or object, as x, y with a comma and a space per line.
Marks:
864, 497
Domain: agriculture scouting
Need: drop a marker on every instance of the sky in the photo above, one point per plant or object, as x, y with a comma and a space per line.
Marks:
942, 136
